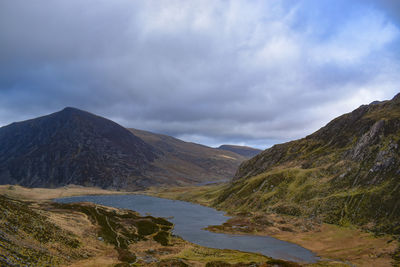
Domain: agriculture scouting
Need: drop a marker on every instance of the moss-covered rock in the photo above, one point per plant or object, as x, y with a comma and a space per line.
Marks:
147, 227
123, 228
275, 263
162, 237
125, 255
172, 263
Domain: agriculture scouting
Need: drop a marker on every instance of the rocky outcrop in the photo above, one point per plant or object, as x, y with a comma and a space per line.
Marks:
369, 138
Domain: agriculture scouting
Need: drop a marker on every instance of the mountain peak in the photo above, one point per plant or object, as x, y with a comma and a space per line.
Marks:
73, 146
72, 110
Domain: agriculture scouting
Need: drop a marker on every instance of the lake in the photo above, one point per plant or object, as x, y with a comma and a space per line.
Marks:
190, 219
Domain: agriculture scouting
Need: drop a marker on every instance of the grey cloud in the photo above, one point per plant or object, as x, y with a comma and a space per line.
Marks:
214, 71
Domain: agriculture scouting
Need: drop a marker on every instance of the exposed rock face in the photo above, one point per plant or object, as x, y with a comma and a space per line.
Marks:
347, 172
366, 140
73, 147
396, 98
241, 150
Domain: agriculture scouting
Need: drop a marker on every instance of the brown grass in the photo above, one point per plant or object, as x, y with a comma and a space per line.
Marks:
346, 244
23, 193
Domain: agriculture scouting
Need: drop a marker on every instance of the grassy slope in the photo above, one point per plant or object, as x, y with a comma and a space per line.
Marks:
41, 194
189, 163
346, 173
30, 233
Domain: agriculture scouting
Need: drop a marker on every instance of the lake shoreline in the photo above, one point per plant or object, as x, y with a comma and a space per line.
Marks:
349, 245
310, 240
190, 219
94, 251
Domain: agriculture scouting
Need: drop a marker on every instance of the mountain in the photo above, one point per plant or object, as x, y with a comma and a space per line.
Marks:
188, 162
348, 172
73, 147
76, 147
241, 150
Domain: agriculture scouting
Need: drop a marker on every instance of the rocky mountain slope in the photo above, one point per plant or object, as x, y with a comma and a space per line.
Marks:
348, 172
188, 162
241, 150
76, 147
72, 147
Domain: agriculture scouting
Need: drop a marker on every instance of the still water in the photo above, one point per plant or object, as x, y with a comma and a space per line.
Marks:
190, 219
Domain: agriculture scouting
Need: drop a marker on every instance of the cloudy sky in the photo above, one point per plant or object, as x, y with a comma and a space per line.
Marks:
245, 72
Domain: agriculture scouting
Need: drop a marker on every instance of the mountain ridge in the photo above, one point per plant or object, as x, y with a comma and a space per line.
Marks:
348, 172
73, 146
245, 151
190, 161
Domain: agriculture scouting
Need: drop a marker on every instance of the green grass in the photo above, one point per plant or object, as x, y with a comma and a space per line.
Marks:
205, 255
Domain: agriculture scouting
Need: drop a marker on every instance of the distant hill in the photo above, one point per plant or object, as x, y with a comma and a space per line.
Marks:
189, 162
241, 150
348, 172
76, 147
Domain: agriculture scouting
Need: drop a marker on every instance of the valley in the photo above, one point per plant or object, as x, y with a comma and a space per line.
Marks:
41, 232
334, 193
222, 133
336, 245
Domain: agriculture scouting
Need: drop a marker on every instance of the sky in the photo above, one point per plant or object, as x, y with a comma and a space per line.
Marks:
250, 73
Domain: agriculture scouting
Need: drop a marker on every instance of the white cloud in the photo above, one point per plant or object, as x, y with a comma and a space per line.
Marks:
356, 40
